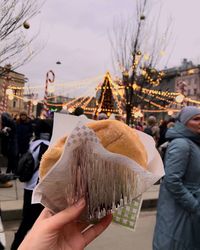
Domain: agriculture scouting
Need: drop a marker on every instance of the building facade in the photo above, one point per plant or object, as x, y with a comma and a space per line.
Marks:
13, 83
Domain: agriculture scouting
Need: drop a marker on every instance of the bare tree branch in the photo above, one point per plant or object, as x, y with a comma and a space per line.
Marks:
14, 45
132, 42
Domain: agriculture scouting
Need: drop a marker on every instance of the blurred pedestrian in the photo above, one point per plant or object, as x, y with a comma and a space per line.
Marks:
162, 130
30, 213
102, 116
178, 210
152, 128
24, 132
78, 111
171, 123
139, 126
9, 147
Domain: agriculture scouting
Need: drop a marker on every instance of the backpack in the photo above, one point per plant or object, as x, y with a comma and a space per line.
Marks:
26, 166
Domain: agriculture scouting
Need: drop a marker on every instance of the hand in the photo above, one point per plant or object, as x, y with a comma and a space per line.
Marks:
62, 231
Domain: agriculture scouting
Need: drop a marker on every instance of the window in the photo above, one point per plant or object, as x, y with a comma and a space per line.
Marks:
195, 91
14, 104
189, 92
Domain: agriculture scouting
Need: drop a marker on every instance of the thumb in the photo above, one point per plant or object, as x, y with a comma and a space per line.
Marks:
66, 216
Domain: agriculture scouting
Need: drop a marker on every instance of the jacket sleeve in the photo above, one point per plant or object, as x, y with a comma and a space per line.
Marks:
43, 148
176, 164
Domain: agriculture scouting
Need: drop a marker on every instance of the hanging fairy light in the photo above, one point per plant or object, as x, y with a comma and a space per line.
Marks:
26, 25
35, 102
142, 17
170, 112
179, 98
10, 97
70, 110
138, 114
64, 106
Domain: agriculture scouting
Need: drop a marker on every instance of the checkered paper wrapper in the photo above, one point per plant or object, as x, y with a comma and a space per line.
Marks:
104, 178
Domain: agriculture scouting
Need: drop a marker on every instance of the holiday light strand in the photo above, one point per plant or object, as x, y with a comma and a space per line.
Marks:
191, 101
159, 111
119, 103
162, 99
87, 102
98, 108
78, 103
71, 84
151, 102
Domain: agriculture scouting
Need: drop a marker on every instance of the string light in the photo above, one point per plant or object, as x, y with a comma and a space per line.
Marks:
170, 112
118, 95
9, 91
179, 98
71, 84
10, 97
35, 102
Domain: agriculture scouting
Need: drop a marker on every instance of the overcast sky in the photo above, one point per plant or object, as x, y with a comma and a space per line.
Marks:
76, 34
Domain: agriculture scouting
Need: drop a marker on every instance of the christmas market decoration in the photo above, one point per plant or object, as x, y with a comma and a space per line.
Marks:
50, 77
26, 25
104, 98
142, 17
111, 95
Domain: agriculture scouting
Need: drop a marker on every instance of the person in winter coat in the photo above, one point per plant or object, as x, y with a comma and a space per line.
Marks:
152, 128
9, 147
30, 213
178, 212
24, 133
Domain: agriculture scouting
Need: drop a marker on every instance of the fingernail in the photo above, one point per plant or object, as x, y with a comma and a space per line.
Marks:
80, 203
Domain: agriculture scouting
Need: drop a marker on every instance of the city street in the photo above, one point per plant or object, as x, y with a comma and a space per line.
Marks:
100, 113
114, 238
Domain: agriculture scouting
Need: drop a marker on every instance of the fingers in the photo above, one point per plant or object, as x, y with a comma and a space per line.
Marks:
67, 215
46, 213
94, 231
82, 225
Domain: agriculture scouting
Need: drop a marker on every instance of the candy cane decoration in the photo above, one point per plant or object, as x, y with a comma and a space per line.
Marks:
45, 103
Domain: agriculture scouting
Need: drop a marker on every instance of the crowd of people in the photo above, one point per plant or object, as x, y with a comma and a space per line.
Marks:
15, 135
178, 211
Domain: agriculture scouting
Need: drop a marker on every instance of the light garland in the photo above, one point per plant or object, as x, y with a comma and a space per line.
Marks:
151, 102
117, 92
71, 84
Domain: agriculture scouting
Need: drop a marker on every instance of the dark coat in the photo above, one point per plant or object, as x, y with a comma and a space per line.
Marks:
8, 139
178, 212
9, 142
24, 134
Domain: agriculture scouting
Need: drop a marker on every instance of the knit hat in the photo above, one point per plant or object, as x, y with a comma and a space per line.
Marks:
102, 116
187, 113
